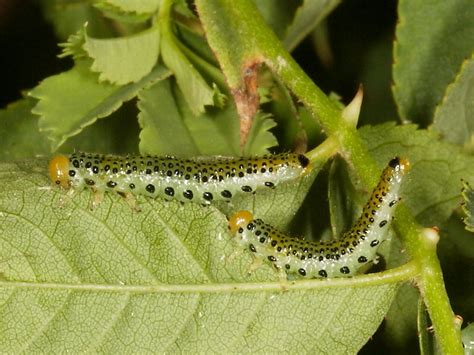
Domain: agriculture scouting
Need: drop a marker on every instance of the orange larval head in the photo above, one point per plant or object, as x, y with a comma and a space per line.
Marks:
59, 171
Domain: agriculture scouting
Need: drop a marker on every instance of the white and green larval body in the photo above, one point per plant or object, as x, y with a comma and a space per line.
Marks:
338, 258
200, 180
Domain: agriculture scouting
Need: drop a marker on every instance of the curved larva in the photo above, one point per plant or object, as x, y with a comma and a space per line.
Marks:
342, 257
201, 180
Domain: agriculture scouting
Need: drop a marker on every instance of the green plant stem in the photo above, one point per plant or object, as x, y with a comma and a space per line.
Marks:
240, 37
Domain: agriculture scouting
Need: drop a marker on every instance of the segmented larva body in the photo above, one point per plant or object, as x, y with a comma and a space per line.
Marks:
201, 180
343, 257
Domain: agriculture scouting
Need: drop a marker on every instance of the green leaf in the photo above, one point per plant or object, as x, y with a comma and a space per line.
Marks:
277, 14
124, 60
72, 100
197, 92
468, 205
19, 133
161, 280
140, 7
118, 134
400, 321
344, 202
433, 39
215, 132
306, 18
119, 15
68, 17
163, 130
170, 127
454, 118
432, 189
425, 339
260, 139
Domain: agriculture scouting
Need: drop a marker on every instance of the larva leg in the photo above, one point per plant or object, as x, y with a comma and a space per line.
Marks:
67, 198
97, 198
131, 201
235, 254
256, 263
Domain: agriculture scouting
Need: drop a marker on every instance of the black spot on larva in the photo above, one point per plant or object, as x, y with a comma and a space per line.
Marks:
204, 178
362, 259
132, 186
115, 170
249, 170
302, 272
111, 184
241, 230
383, 223
169, 191
374, 243
272, 258
156, 169
287, 266
257, 233
250, 226
273, 243
394, 163
207, 196
90, 182
106, 167
148, 171
88, 164
246, 188
322, 273
392, 203
150, 188
58, 182
188, 194
169, 173
241, 174
95, 169
303, 160
72, 173
269, 184
75, 162
344, 270
262, 240
226, 194
252, 248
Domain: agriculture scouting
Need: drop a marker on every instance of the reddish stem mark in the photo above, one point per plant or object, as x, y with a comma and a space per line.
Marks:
247, 99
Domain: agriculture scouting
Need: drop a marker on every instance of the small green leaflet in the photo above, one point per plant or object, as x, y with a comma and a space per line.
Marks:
72, 100
454, 118
123, 60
